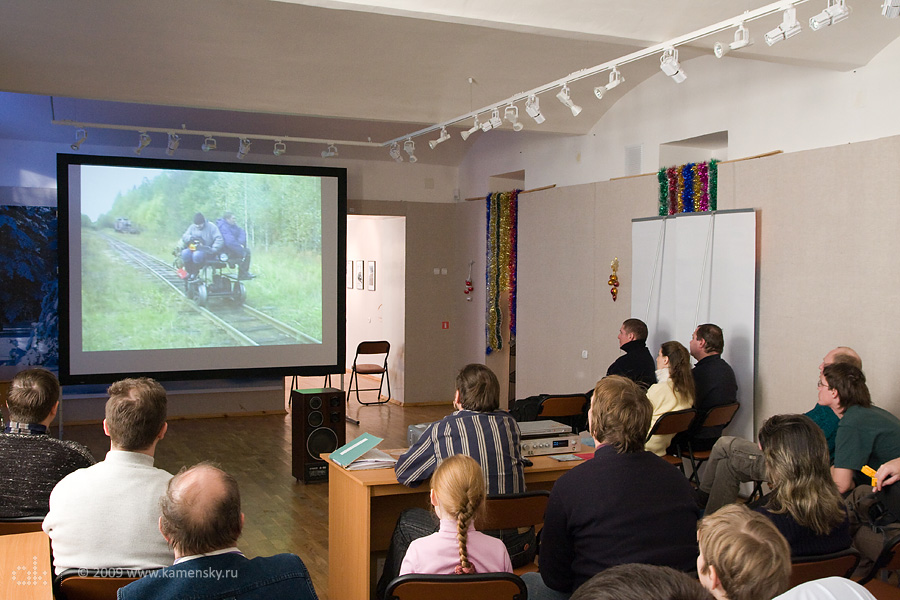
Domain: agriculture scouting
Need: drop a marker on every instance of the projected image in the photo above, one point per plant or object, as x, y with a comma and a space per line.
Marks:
196, 259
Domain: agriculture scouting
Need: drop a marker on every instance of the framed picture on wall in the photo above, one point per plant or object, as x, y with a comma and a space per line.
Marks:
358, 273
370, 280
349, 274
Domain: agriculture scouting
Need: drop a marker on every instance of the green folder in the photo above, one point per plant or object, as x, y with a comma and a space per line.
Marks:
350, 451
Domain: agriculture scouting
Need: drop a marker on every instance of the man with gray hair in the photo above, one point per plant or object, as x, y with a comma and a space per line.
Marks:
202, 521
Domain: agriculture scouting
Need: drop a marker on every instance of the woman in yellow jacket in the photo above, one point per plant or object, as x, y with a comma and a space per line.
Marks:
674, 389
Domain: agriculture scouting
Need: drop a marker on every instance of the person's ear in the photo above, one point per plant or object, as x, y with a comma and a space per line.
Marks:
105, 428
713, 577
434, 498
54, 410
162, 432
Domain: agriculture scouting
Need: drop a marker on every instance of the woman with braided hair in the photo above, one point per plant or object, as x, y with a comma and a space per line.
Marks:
457, 493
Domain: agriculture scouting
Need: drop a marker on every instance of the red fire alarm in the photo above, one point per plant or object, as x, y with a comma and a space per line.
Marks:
445, 324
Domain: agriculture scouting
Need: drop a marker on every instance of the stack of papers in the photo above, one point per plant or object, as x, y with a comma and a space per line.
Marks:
373, 459
361, 454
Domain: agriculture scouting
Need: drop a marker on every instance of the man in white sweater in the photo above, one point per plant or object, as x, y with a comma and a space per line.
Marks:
107, 515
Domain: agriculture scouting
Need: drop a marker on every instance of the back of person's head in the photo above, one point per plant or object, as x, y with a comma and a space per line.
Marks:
798, 467
843, 354
751, 558
712, 336
636, 327
478, 388
201, 511
458, 483
680, 368
641, 582
135, 412
199, 219
32, 395
620, 414
850, 384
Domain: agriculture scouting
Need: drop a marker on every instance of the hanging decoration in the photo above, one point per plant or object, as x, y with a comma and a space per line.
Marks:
500, 272
469, 288
614, 279
688, 188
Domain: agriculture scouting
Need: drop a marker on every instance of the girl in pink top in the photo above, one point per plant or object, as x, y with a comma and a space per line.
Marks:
457, 492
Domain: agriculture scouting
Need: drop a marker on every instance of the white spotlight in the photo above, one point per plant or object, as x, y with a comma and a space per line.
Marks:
143, 142
496, 121
564, 97
409, 147
172, 144
443, 138
741, 40
465, 134
669, 65
789, 27
891, 9
80, 136
395, 152
279, 148
209, 144
533, 108
331, 152
835, 12
243, 148
511, 114
615, 78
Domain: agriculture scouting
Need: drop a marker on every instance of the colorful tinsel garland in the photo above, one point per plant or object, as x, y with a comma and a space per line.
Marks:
689, 188
500, 260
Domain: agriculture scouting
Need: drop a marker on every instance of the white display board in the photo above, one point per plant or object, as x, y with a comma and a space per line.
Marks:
700, 268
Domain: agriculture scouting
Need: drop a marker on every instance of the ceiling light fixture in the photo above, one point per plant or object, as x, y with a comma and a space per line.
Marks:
172, 144
443, 138
465, 134
330, 152
395, 152
669, 65
143, 142
80, 136
511, 114
409, 147
243, 148
615, 78
280, 148
789, 27
741, 40
533, 108
835, 12
496, 121
891, 9
564, 97
209, 144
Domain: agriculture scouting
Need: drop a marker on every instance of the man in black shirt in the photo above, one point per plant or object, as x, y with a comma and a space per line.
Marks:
637, 364
713, 378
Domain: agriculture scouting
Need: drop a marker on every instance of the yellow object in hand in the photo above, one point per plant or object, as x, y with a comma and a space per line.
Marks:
870, 472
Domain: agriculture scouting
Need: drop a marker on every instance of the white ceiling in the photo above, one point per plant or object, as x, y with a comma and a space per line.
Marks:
354, 71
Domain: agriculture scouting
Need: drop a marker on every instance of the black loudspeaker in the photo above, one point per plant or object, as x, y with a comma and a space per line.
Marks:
317, 427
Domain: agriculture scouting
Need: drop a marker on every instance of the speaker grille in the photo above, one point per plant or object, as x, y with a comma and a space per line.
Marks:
320, 441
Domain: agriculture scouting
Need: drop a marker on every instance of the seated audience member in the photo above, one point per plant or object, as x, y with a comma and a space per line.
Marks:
481, 430
714, 380
625, 505
829, 588
202, 520
804, 504
33, 461
674, 390
637, 362
457, 494
641, 582
742, 555
734, 460
107, 515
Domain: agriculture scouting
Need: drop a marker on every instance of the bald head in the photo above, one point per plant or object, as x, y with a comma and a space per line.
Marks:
842, 354
201, 511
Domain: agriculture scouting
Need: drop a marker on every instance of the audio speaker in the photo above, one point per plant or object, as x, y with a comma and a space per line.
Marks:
317, 427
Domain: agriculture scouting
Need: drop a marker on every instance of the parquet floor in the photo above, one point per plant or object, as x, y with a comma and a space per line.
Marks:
281, 515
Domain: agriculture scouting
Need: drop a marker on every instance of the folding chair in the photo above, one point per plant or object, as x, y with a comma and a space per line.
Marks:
97, 584
717, 415
512, 511
671, 423
569, 409
836, 564
478, 586
367, 349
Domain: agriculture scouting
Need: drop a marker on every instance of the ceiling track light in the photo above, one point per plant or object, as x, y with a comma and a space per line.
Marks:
243, 148
741, 40
143, 142
172, 144
891, 9
443, 138
80, 136
835, 12
409, 147
209, 144
465, 134
668, 64
511, 114
496, 121
331, 151
533, 108
395, 152
615, 78
789, 27
279, 148
566, 98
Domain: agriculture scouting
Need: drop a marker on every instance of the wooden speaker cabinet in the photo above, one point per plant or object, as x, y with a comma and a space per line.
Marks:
317, 427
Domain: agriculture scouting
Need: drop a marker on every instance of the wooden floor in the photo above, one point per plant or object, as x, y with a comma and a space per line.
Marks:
281, 515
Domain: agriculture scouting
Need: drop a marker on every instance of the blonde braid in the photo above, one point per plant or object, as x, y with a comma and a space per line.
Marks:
463, 519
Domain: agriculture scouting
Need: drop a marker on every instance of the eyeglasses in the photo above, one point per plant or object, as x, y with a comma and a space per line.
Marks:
821, 384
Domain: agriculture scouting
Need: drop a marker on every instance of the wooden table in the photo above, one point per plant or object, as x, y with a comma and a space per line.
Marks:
25, 572
363, 507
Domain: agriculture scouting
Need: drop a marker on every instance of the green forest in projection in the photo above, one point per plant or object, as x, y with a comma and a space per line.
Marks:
123, 308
